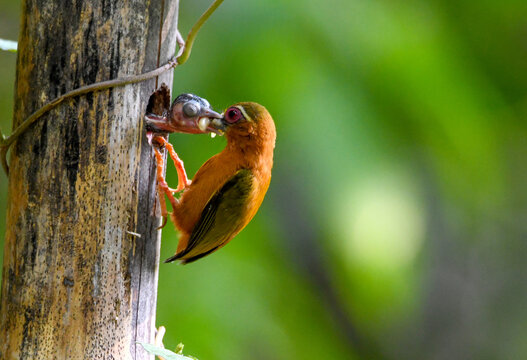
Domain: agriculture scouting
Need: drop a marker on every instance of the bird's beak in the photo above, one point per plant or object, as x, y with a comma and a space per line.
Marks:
198, 125
218, 126
158, 124
206, 118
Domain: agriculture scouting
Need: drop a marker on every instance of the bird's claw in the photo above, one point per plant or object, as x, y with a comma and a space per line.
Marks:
150, 136
163, 223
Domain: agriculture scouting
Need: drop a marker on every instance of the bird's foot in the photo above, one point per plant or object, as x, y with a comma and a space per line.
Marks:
183, 180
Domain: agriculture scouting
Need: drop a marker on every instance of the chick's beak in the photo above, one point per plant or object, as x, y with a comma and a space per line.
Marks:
158, 124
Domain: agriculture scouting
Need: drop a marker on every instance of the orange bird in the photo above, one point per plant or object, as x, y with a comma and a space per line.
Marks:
228, 189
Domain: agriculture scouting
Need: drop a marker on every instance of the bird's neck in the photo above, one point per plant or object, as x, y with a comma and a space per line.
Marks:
251, 151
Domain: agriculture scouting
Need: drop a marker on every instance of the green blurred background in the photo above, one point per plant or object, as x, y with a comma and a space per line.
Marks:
395, 226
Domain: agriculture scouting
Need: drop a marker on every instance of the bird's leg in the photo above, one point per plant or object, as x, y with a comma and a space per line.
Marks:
163, 205
183, 181
162, 187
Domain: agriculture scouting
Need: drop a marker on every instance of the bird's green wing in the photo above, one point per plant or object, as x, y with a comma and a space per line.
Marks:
221, 218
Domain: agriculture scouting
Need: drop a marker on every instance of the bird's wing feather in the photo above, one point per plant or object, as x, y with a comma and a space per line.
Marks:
221, 219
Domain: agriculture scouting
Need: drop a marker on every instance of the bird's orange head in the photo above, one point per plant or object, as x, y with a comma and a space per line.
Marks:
247, 122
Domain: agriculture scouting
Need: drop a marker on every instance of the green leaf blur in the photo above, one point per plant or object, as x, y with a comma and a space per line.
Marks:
159, 351
395, 226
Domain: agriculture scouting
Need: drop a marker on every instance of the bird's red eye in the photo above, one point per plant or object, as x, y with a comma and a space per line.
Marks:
233, 115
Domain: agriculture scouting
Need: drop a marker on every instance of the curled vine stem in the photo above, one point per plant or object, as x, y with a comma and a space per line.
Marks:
179, 59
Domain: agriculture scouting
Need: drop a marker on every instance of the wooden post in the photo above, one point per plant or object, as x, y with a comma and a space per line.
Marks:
75, 283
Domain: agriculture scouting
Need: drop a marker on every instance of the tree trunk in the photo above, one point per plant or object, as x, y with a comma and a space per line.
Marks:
76, 284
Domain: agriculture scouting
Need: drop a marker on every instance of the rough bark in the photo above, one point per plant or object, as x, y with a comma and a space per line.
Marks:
75, 284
